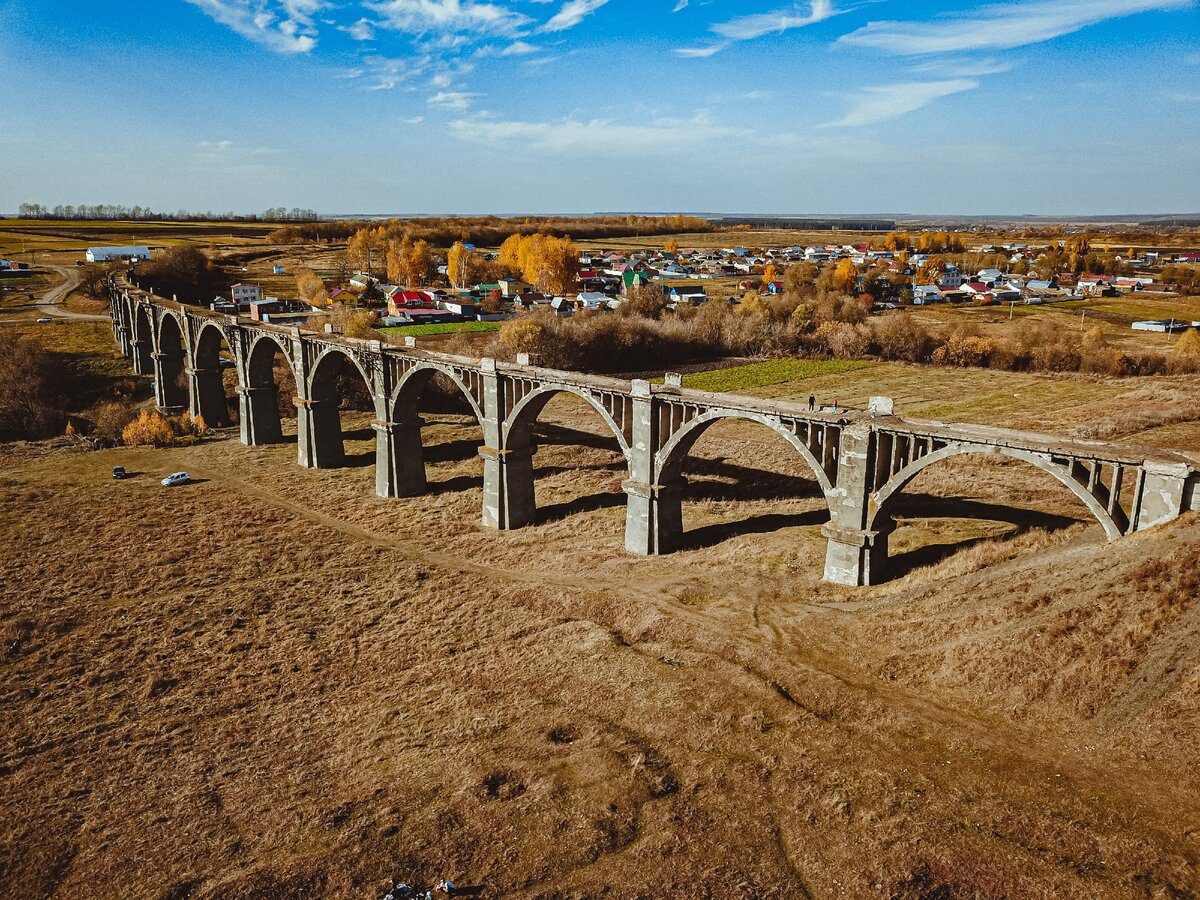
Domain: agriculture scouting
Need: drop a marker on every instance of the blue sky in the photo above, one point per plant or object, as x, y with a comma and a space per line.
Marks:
510, 106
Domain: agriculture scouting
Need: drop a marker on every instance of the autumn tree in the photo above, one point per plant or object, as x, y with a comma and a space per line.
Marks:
310, 288
366, 246
770, 274
845, 276
409, 262
462, 265
671, 246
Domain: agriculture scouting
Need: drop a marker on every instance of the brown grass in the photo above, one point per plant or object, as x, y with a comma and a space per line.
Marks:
273, 684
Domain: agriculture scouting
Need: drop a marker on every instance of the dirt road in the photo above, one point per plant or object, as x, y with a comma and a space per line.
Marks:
49, 304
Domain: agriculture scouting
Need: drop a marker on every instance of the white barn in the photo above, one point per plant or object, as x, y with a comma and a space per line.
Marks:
107, 254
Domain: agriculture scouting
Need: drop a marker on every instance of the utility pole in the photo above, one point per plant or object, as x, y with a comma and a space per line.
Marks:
1082, 316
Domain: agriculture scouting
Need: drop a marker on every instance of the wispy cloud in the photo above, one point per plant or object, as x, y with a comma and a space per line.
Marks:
746, 28
571, 14
594, 137
448, 17
999, 26
891, 101
452, 99
284, 26
362, 30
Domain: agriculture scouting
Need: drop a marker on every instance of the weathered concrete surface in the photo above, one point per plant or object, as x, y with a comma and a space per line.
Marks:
861, 461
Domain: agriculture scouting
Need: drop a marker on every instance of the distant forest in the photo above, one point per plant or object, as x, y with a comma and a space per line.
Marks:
115, 212
488, 231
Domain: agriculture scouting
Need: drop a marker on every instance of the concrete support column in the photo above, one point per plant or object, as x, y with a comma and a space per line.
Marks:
399, 459
258, 415
206, 396
141, 352
1162, 494
856, 557
508, 500
319, 434
168, 396
855, 554
653, 517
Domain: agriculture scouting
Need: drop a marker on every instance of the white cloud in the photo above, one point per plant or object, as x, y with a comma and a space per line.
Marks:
595, 137
448, 17
965, 68
362, 30
747, 28
699, 52
572, 13
891, 101
1192, 59
518, 48
999, 26
680, 6
452, 99
284, 26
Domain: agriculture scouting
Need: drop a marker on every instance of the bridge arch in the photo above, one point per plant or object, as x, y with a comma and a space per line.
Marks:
261, 412
400, 464
675, 452
519, 447
402, 404
208, 375
325, 442
170, 358
670, 462
526, 411
881, 500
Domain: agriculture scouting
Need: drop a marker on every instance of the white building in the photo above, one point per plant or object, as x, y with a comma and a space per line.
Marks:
951, 279
107, 254
245, 294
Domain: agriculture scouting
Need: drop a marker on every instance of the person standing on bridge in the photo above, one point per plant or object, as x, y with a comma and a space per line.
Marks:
812, 402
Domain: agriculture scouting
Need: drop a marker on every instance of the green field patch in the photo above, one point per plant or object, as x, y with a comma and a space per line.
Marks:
773, 371
442, 328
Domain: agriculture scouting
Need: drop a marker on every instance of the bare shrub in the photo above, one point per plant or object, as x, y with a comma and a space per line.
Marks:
898, 337
30, 406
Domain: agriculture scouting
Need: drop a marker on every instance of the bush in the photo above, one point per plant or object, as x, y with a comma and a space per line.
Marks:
898, 337
148, 429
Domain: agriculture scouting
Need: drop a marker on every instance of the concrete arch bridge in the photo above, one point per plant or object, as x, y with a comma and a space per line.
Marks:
861, 463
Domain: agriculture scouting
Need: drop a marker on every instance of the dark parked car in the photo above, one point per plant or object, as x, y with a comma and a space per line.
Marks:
118, 472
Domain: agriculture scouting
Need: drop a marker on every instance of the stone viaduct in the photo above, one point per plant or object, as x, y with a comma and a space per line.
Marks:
860, 462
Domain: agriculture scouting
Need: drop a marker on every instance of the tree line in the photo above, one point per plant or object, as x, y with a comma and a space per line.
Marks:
116, 212
491, 231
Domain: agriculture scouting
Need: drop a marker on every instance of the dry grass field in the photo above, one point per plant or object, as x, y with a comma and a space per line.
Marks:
271, 683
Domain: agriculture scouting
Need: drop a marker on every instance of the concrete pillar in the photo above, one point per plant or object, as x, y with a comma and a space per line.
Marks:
141, 351
399, 459
169, 397
1162, 494
258, 415
653, 504
319, 434
854, 555
206, 396
508, 499
653, 517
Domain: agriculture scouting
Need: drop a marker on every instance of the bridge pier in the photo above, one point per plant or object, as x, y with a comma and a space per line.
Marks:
206, 396
508, 499
653, 517
258, 415
1163, 494
855, 557
141, 351
319, 434
399, 458
169, 396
